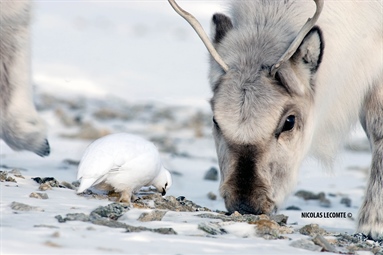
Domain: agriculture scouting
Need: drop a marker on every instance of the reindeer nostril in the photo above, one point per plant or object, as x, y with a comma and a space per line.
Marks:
245, 207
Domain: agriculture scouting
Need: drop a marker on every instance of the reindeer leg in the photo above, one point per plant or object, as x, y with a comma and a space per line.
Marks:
371, 211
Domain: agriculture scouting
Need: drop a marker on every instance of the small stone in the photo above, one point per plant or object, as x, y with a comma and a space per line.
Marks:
76, 184
211, 174
44, 226
267, 227
155, 215
71, 162
180, 198
10, 179
212, 196
212, 228
3, 175
77, 217
24, 207
305, 244
164, 231
52, 182
346, 201
308, 195
73, 217
112, 211
56, 234
361, 237
321, 241
44, 187
280, 219
312, 230
324, 202
293, 208
68, 185
52, 244
60, 218
5, 178
39, 195
236, 213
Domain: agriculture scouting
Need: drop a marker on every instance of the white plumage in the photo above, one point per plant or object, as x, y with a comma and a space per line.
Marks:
122, 162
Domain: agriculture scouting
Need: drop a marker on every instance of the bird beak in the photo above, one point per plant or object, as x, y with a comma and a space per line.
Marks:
163, 192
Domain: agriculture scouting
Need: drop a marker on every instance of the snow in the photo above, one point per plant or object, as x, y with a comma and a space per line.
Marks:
137, 52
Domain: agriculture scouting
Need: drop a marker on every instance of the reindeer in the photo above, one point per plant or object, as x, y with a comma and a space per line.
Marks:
284, 89
20, 126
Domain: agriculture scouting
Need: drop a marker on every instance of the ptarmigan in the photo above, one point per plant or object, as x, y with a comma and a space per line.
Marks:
123, 163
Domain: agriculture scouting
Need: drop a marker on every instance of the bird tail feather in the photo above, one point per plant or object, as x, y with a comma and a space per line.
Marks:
85, 184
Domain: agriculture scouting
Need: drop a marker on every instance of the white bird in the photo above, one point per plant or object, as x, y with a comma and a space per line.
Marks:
125, 163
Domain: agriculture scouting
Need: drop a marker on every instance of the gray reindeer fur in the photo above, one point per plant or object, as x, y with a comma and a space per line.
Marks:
334, 78
20, 126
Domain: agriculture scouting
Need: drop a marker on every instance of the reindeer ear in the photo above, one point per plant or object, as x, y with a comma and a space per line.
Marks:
310, 51
221, 24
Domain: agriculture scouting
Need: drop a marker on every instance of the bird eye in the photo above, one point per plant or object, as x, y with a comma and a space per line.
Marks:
166, 184
289, 123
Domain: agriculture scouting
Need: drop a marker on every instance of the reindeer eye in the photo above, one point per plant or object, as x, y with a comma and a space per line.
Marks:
289, 123
215, 123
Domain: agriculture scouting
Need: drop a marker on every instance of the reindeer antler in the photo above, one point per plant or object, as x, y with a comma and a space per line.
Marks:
298, 40
201, 33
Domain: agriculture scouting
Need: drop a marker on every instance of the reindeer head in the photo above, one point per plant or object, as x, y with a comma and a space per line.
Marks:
262, 108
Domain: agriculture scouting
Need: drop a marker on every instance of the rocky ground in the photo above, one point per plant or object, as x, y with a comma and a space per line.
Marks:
213, 223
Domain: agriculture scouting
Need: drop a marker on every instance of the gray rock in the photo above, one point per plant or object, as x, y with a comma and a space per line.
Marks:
212, 228
112, 211
267, 229
324, 202
5, 178
235, 217
71, 162
155, 215
164, 231
293, 208
308, 195
377, 250
312, 230
212, 196
76, 184
45, 186
24, 207
346, 201
180, 204
77, 217
39, 195
305, 244
322, 242
211, 174
44, 226
52, 181
280, 219
67, 185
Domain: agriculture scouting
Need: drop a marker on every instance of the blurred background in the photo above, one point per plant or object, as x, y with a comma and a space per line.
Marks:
133, 50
